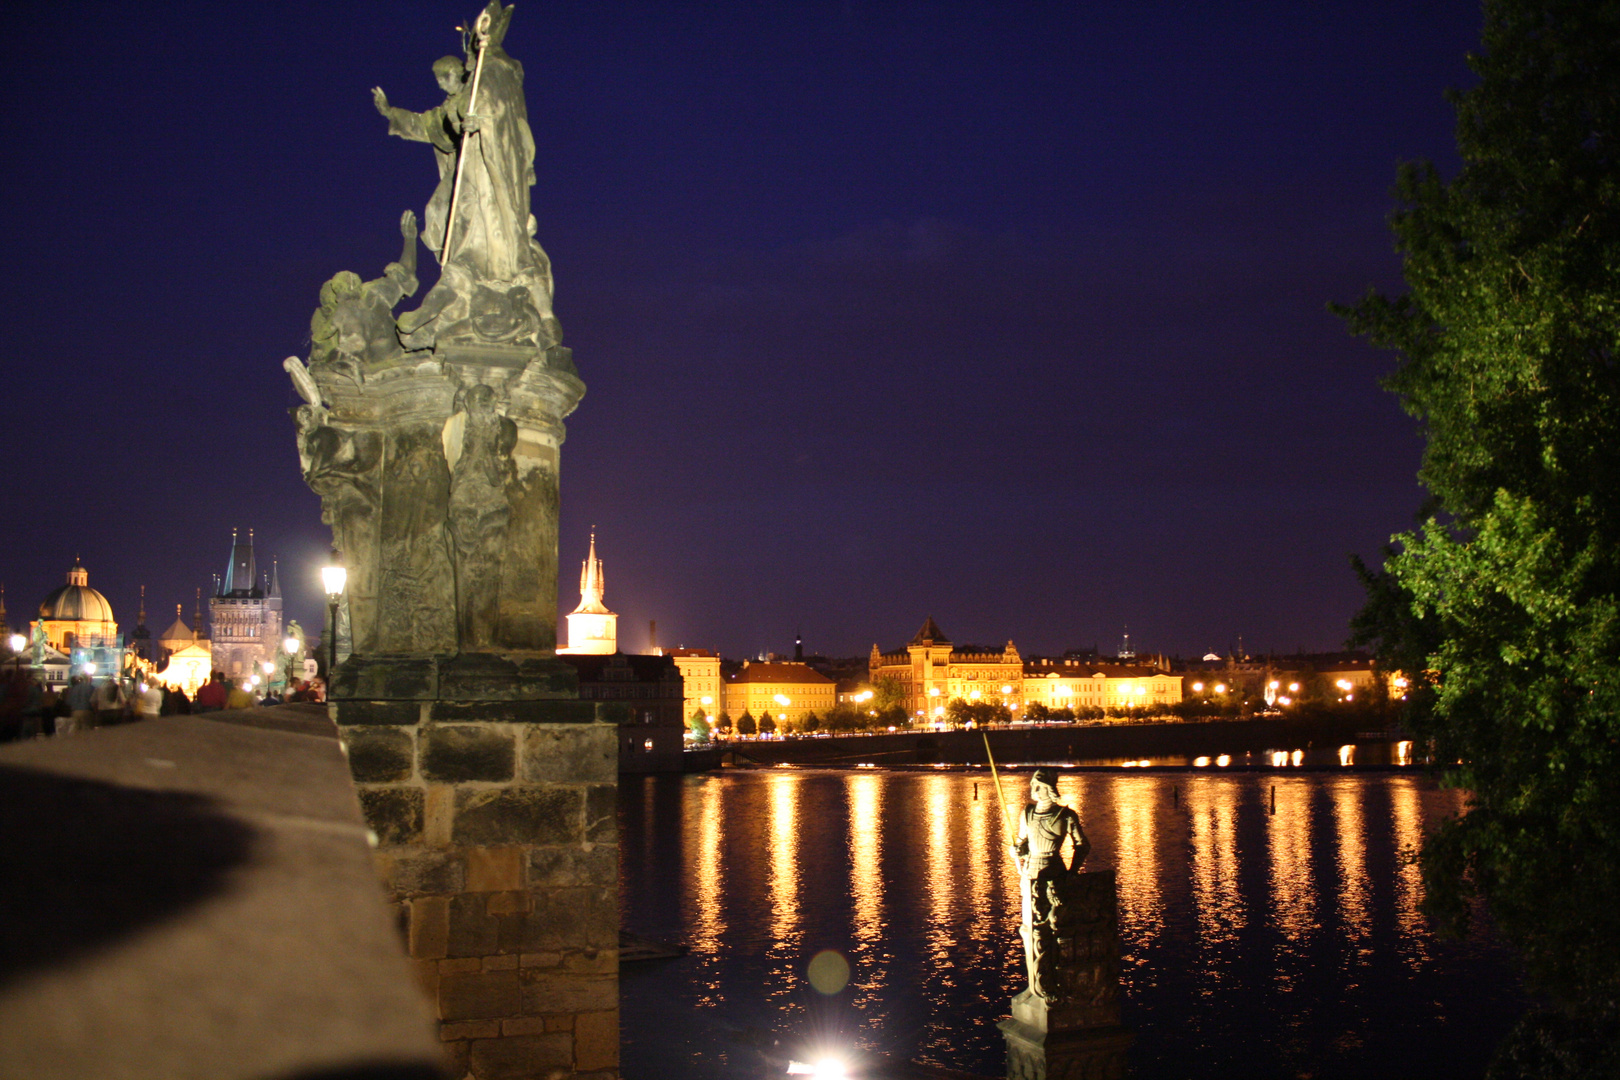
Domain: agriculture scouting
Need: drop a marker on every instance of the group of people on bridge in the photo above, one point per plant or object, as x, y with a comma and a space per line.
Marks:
30, 708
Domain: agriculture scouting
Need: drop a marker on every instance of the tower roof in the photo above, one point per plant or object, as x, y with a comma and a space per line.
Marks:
930, 634
76, 601
179, 631
242, 571
591, 584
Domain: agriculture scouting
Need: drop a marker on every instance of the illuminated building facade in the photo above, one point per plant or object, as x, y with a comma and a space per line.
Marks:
700, 678
1074, 684
784, 690
245, 615
75, 630
77, 616
592, 628
930, 672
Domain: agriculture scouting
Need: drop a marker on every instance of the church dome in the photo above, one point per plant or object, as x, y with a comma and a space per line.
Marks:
76, 601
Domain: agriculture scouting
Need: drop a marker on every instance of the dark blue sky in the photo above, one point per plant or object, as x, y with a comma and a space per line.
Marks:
1012, 314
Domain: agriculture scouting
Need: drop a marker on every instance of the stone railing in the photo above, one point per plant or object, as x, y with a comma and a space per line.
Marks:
196, 896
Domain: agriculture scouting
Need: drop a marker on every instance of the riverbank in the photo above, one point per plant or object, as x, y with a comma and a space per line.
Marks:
1244, 743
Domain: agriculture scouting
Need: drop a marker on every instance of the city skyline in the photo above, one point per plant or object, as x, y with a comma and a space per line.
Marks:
1014, 318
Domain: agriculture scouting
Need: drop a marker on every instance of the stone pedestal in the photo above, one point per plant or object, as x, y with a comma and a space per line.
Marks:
497, 840
1075, 1035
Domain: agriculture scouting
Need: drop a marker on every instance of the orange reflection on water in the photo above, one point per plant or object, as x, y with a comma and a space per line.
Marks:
937, 854
1355, 889
1293, 887
784, 879
705, 836
981, 828
1136, 857
1212, 821
866, 854
1407, 811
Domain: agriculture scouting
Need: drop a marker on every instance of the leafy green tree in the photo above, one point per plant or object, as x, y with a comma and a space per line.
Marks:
722, 723
767, 723
1504, 605
700, 726
745, 724
1037, 713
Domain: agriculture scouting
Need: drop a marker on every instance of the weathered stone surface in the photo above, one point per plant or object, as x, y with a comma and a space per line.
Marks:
572, 866
384, 679
472, 930
574, 754
602, 925
380, 755
550, 990
430, 927
614, 712
596, 1040
479, 995
495, 869
377, 712
453, 754
602, 813
394, 814
428, 870
561, 919
515, 711
521, 1057
470, 1029
532, 815
573, 918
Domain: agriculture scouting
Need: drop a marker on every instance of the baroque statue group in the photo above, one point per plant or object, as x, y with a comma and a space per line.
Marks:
432, 435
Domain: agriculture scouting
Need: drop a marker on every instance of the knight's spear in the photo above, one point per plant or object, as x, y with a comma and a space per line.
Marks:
1006, 817
480, 35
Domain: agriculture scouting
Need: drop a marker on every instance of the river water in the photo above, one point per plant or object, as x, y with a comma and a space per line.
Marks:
1256, 943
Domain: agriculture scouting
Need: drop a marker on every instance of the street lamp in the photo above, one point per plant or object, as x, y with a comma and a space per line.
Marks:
18, 643
333, 577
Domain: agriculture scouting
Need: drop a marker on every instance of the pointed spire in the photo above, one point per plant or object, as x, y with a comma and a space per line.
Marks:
275, 578
196, 618
591, 582
140, 619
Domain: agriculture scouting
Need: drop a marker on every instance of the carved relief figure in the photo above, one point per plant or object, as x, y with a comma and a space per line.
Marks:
354, 327
1049, 882
478, 444
342, 467
416, 580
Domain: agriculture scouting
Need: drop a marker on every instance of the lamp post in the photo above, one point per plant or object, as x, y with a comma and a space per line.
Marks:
333, 577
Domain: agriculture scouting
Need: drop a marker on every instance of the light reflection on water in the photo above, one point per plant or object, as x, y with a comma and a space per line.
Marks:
1255, 943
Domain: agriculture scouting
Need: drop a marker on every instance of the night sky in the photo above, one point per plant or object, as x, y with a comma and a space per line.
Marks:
1009, 314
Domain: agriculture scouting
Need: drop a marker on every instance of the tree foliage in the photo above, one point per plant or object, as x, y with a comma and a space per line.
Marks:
1504, 600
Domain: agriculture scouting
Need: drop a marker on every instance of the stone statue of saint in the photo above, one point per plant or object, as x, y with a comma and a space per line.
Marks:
480, 133
478, 443
1049, 882
353, 329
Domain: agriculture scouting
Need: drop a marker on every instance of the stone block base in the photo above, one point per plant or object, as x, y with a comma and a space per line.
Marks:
1093, 1054
498, 842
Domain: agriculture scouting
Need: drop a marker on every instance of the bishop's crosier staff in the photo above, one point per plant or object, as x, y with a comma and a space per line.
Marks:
481, 35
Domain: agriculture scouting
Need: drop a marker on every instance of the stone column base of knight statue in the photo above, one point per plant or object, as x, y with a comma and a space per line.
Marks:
1074, 1033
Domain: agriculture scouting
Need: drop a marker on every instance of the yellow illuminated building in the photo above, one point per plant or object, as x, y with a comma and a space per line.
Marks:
930, 672
1075, 684
700, 676
592, 628
790, 690
77, 616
